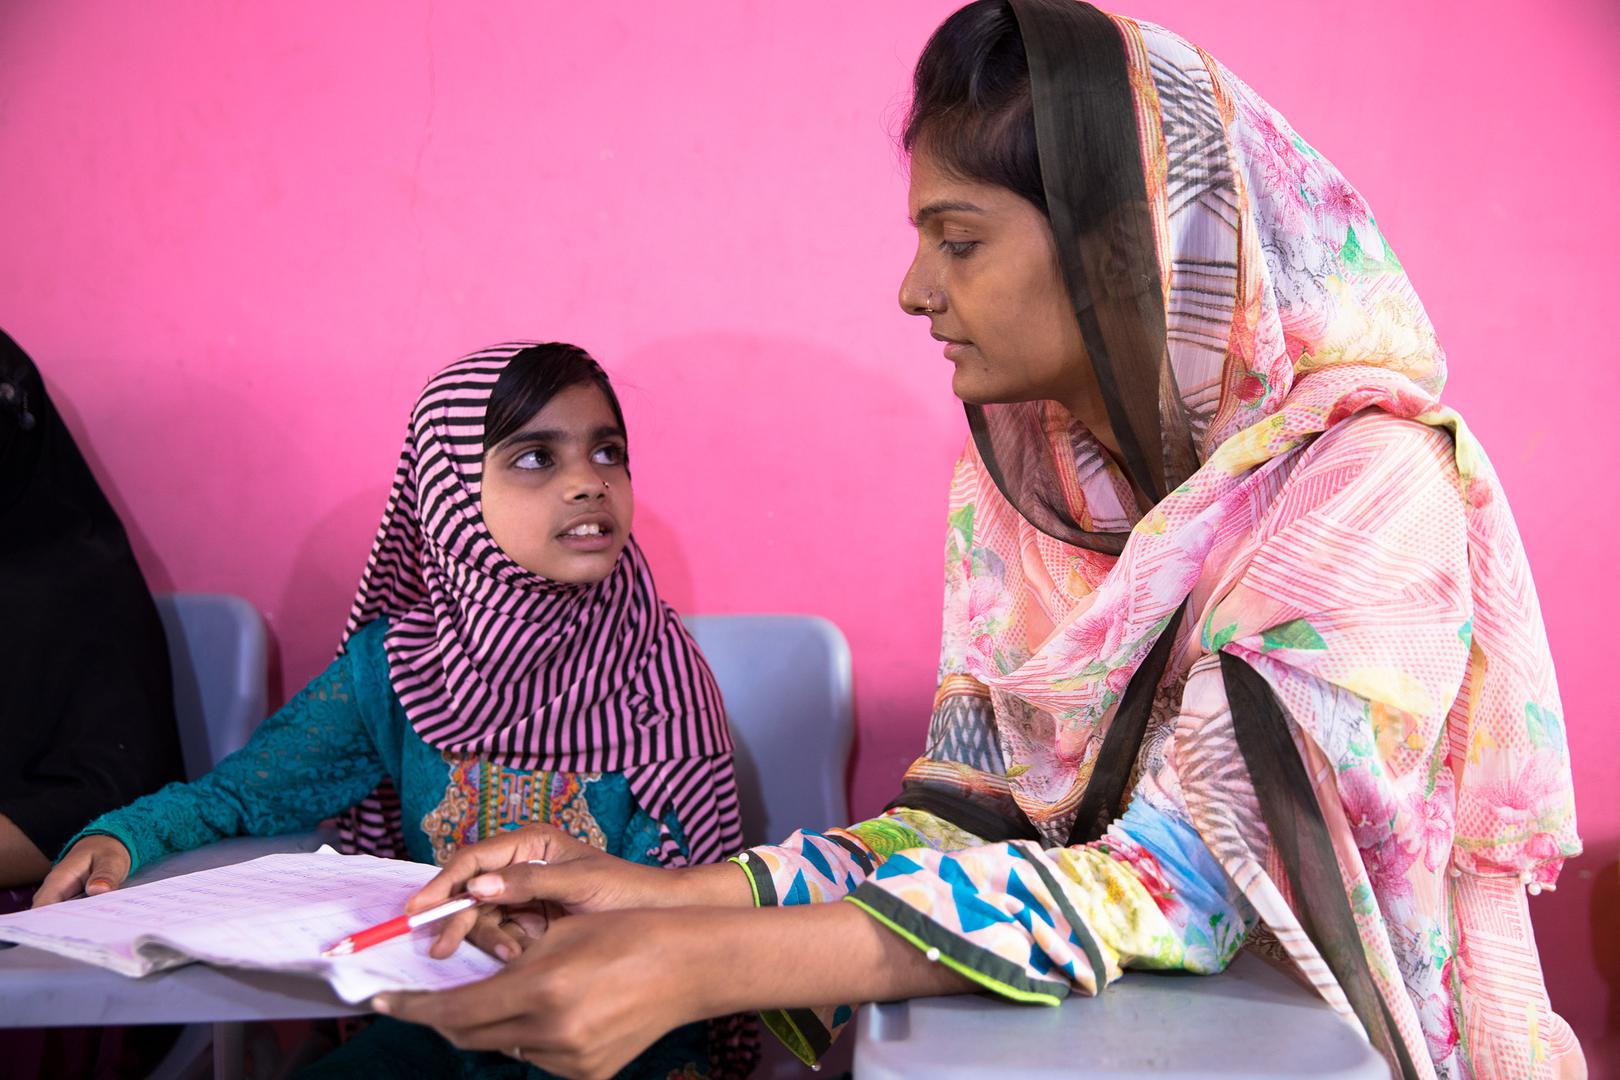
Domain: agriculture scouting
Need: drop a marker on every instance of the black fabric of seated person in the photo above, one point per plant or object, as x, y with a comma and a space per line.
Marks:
86, 701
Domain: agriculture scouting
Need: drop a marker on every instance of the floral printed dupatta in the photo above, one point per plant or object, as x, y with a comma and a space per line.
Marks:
1301, 586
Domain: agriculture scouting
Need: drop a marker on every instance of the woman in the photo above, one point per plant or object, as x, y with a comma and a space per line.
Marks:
1238, 628
507, 660
86, 705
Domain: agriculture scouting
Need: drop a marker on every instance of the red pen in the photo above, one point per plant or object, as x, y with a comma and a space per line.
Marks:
398, 927
404, 924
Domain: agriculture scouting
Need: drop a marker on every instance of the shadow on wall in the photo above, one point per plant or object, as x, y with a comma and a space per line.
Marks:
672, 572
239, 498
321, 584
1603, 922
810, 492
1578, 934
156, 571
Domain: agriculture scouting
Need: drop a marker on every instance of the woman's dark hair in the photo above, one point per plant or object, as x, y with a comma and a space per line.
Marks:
534, 376
970, 104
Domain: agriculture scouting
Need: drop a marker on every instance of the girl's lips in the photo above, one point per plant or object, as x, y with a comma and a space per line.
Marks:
588, 544
956, 350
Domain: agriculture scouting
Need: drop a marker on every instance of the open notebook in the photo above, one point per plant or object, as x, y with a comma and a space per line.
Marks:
275, 913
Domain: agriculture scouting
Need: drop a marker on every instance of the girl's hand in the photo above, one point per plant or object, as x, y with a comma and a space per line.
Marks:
582, 1001
94, 865
502, 932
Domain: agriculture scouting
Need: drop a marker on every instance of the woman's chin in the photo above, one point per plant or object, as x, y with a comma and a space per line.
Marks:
972, 392
963, 386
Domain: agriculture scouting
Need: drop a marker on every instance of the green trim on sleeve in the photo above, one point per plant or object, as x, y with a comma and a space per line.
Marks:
984, 968
785, 1024
748, 872
758, 880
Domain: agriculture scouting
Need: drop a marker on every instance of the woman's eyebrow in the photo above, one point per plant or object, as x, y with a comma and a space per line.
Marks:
944, 206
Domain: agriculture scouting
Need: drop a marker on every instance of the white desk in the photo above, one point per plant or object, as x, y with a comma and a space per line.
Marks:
1252, 1021
40, 989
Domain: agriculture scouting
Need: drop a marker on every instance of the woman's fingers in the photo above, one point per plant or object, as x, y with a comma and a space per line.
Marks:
487, 1001
529, 882
454, 930
468, 862
579, 1001
519, 845
501, 1035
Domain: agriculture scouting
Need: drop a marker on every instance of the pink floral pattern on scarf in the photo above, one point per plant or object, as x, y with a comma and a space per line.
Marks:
1347, 537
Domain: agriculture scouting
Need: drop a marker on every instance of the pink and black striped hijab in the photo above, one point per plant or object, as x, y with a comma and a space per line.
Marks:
493, 660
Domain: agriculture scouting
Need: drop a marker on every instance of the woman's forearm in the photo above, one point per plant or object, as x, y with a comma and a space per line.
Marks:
806, 955
716, 885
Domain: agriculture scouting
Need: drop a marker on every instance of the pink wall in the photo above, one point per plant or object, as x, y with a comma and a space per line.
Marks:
238, 237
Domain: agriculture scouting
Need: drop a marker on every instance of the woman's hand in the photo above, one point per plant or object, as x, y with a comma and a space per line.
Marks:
597, 990
540, 873
94, 865
581, 1001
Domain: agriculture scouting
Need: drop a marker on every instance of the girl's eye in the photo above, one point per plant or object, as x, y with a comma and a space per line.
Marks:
532, 459
958, 249
611, 454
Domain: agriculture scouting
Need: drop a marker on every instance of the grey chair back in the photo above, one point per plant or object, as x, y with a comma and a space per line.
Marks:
217, 653
786, 680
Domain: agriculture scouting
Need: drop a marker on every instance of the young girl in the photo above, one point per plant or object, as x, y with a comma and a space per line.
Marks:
507, 661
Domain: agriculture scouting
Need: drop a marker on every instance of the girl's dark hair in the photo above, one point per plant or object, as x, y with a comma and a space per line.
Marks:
970, 104
534, 376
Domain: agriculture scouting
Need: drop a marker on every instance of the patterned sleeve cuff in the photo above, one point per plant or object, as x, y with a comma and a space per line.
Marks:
808, 1033
808, 868
805, 870
984, 968
759, 879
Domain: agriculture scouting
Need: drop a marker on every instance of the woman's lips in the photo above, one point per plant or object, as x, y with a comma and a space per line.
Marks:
957, 350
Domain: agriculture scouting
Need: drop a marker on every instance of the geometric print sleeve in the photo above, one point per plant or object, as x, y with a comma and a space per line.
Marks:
816, 867
1032, 923
313, 758
1027, 923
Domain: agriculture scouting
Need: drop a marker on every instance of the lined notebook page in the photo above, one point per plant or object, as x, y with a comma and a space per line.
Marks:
274, 913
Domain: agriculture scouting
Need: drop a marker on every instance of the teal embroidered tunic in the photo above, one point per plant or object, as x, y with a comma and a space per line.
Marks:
329, 746
327, 749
